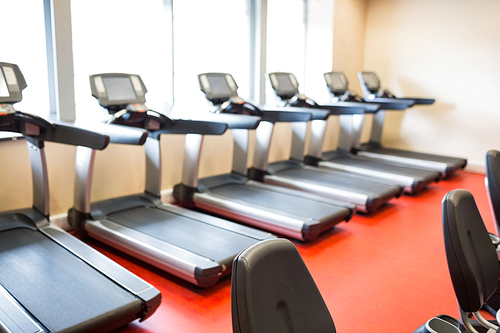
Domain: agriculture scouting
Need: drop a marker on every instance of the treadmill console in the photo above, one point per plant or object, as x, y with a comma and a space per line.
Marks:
339, 87
123, 95
284, 84
370, 84
116, 91
12, 84
218, 87
222, 91
370, 81
337, 83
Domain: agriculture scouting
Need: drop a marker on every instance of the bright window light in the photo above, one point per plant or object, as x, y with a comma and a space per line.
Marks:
23, 44
209, 36
122, 36
285, 40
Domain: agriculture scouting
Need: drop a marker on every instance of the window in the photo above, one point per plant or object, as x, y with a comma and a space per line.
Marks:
23, 43
209, 36
122, 36
286, 35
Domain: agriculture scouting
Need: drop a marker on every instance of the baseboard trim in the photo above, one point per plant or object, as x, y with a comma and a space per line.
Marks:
475, 167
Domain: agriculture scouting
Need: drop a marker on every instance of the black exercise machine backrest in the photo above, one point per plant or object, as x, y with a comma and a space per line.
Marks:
472, 258
284, 84
273, 291
493, 183
337, 83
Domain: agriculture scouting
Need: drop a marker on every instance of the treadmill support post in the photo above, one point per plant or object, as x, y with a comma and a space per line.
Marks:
358, 122
299, 134
377, 125
84, 168
153, 166
40, 178
317, 138
263, 135
240, 151
191, 164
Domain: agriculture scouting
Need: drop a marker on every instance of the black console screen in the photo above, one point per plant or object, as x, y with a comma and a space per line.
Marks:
4, 90
219, 86
119, 88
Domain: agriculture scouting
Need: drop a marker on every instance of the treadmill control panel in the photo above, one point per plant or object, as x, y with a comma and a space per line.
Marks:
337, 83
112, 89
370, 81
218, 87
6, 108
284, 84
11, 84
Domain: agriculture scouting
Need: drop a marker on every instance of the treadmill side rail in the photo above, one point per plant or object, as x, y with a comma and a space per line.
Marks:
265, 219
168, 257
414, 162
150, 296
13, 317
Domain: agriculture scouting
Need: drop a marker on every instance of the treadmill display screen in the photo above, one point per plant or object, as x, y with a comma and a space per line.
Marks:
338, 82
371, 81
219, 86
285, 84
119, 88
4, 90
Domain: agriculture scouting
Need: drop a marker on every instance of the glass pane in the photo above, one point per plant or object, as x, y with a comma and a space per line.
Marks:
209, 36
23, 43
121, 36
285, 40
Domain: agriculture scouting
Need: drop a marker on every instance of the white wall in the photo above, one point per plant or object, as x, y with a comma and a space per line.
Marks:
348, 49
447, 49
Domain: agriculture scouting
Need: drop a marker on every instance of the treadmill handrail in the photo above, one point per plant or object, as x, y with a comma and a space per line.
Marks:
419, 100
282, 116
37, 130
344, 108
233, 121
119, 134
317, 113
188, 126
368, 107
391, 103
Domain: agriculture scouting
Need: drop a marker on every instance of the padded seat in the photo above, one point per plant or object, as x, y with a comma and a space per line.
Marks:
493, 183
273, 291
472, 258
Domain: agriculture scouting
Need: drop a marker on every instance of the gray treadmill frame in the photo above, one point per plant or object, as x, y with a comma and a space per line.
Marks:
376, 136
119, 275
351, 126
275, 221
168, 257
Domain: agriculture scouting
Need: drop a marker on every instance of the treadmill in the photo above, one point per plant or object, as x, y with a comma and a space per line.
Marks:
221, 90
288, 212
49, 280
413, 180
446, 165
193, 246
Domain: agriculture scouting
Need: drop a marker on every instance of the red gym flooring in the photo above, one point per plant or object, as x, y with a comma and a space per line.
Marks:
377, 273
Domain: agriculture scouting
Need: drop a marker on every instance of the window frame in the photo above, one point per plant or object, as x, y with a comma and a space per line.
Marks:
60, 54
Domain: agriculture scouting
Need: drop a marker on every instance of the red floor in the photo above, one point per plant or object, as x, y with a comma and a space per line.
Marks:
386, 271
